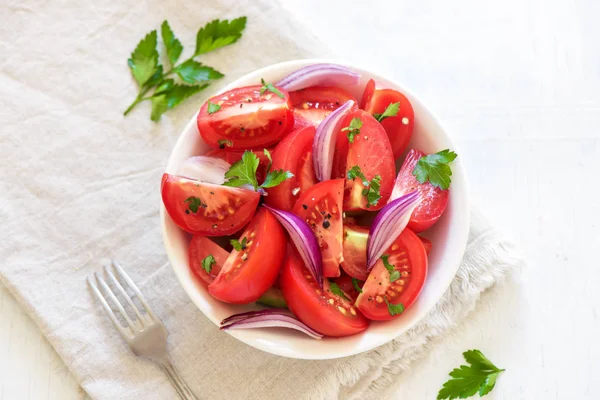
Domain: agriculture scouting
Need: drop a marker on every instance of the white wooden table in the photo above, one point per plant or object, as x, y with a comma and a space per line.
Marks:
517, 83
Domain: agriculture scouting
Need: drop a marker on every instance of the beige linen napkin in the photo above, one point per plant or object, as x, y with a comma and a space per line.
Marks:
80, 185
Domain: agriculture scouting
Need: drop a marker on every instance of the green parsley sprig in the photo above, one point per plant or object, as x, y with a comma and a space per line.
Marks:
335, 289
435, 169
390, 111
478, 377
394, 309
353, 129
371, 190
208, 262
394, 275
239, 246
271, 88
194, 76
356, 286
243, 172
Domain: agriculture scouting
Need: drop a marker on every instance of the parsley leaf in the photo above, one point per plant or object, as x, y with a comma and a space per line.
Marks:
267, 154
239, 246
208, 262
467, 380
171, 97
371, 190
394, 309
390, 111
435, 169
270, 87
172, 44
335, 289
144, 59
243, 172
217, 34
194, 203
213, 108
394, 275
276, 177
356, 286
164, 86
222, 143
192, 72
353, 129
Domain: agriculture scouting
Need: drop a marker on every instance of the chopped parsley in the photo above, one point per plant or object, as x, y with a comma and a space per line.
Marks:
335, 289
371, 190
271, 88
194, 203
356, 286
243, 172
239, 246
353, 129
435, 169
394, 309
213, 108
390, 111
208, 262
394, 275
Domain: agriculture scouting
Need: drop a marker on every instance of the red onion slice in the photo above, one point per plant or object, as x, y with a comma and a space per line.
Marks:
319, 74
267, 319
304, 239
205, 169
324, 141
389, 224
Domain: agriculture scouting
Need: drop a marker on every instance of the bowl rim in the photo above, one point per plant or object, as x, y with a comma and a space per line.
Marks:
458, 170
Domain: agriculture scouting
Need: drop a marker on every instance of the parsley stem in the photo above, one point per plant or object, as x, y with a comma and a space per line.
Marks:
140, 97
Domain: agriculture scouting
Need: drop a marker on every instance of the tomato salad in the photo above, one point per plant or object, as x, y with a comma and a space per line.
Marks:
299, 205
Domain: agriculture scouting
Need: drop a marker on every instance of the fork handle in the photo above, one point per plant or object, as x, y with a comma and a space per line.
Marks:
180, 386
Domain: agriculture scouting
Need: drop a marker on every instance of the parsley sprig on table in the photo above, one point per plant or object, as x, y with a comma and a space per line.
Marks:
435, 169
467, 380
371, 190
243, 172
153, 77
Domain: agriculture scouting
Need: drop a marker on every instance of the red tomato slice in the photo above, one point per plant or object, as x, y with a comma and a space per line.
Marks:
247, 119
313, 104
206, 209
345, 283
248, 273
355, 251
399, 128
200, 248
294, 154
321, 207
325, 312
434, 201
426, 244
371, 151
234, 156
407, 254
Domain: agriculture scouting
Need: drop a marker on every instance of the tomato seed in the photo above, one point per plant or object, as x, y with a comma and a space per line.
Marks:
342, 310
331, 301
379, 299
352, 311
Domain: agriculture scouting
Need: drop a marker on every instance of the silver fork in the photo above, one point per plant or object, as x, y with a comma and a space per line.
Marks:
146, 335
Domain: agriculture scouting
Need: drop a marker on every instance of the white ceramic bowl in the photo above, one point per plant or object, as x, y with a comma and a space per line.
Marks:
448, 235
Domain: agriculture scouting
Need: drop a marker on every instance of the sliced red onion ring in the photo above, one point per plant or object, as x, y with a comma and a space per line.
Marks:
205, 169
268, 319
318, 74
324, 141
304, 239
389, 224
247, 314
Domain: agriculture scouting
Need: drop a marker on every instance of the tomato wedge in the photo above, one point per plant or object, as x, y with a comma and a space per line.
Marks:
234, 156
200, 248
371, 151
246, 119
321, 207
434, 201
249, 272
355, 251
408, 257
322, 310
313, 104
206, 209
398, 128
294, 154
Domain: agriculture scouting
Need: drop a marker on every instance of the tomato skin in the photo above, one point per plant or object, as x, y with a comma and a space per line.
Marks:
434, 201
372, 152
410, 259
355, 251
294, 154
426, 244
321, 207
234, 156
313, 104
260, 262
310, 304
399, 128
200, 248
247, 118
235, 206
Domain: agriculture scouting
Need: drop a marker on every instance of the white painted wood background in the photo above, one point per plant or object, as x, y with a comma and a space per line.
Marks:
517, 83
